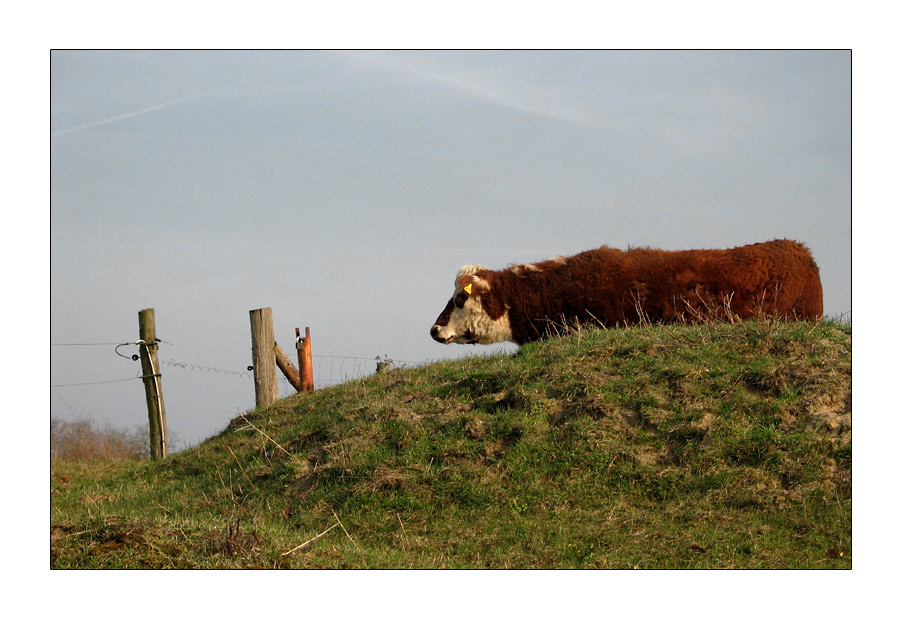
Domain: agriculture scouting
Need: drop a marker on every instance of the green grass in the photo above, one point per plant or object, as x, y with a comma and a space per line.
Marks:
713, 446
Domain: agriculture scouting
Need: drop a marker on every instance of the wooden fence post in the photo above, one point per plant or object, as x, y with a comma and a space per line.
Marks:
262, 341
156, 409
287, 368
304, 360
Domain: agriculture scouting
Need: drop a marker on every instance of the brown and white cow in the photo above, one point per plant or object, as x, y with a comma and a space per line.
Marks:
613, 287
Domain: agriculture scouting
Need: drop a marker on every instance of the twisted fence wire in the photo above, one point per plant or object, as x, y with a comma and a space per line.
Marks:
339, 368
205, 368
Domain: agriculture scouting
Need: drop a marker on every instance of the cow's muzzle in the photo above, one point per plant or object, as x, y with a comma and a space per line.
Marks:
436, 335
466, 338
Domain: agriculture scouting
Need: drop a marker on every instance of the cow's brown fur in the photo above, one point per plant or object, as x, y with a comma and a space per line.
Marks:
616, 288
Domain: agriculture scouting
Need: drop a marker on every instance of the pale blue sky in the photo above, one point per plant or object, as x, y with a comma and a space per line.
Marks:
344, 190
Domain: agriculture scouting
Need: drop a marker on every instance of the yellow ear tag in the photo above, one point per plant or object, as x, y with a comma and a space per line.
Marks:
468, 289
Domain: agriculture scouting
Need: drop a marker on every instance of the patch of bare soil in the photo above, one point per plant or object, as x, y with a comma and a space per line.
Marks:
497, 448
833, 413
616, 417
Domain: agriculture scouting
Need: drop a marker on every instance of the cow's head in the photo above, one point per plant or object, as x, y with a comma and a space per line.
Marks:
473, 315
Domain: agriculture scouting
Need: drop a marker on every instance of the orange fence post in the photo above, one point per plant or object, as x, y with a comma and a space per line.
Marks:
304, 360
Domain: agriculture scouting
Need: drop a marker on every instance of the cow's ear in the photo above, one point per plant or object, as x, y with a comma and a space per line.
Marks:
473, 285
467, 284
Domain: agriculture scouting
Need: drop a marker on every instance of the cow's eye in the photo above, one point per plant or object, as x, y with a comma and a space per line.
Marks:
460, 299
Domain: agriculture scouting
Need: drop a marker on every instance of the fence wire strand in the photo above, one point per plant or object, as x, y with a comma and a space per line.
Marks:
341, 368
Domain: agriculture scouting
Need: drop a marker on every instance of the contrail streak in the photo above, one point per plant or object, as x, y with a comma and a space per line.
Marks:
113, 119
160, 106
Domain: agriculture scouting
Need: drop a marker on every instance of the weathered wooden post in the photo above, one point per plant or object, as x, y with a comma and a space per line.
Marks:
304, 360
262, 342
287, 368
156, 409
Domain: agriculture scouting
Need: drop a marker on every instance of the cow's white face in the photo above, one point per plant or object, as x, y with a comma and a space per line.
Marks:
465, 319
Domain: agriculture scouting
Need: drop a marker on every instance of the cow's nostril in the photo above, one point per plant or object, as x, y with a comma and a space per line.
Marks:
436, 335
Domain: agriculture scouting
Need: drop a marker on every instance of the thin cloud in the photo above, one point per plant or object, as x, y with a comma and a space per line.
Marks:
416, 66
113, 119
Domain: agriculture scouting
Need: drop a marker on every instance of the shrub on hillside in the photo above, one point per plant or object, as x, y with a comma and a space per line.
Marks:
85, 439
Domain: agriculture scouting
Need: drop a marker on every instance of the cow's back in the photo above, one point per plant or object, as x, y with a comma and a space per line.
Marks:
779, 278
620, 287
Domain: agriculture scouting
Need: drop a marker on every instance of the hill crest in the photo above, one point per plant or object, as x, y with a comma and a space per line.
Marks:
663, 446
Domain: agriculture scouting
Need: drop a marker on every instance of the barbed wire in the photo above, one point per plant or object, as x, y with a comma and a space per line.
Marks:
197, 367
359, 366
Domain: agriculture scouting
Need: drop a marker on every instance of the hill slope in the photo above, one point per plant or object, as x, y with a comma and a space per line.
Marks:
653, 447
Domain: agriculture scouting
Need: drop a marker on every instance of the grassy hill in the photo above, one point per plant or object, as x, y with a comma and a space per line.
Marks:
714, 446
